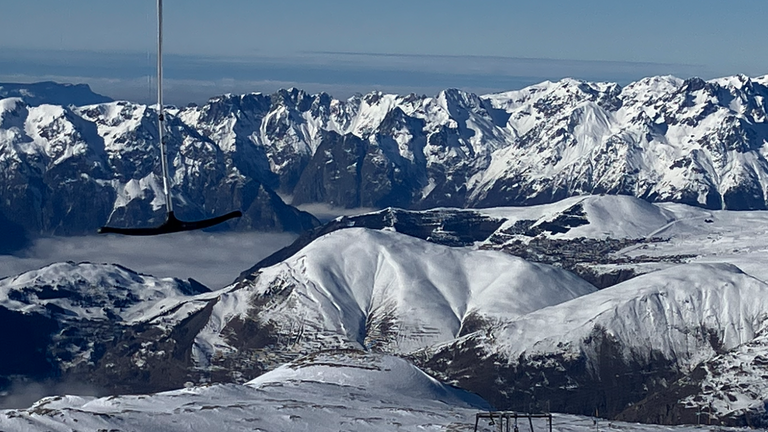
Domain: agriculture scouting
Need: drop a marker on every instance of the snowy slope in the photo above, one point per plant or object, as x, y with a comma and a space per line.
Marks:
701, 235
387, 291
378, 290
612, 348
687, 314
326, 392
606, 216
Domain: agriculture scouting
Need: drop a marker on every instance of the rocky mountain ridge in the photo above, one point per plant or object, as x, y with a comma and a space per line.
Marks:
661, 139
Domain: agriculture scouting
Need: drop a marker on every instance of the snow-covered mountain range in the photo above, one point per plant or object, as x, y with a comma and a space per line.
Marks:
645, 303
681, 327
70, 169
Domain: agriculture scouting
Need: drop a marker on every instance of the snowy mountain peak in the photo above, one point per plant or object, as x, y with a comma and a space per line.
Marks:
384, 291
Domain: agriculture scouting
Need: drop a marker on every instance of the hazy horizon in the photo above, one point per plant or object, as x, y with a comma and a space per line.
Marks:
195, 79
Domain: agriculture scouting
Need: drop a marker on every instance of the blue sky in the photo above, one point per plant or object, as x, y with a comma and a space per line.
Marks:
344, 46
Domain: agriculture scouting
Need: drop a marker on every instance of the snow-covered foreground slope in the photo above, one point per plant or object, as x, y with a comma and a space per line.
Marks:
339, 391
343, 391
383, 290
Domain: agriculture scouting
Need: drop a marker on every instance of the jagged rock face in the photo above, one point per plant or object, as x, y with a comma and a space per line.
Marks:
661, 139
350, 172
72, 170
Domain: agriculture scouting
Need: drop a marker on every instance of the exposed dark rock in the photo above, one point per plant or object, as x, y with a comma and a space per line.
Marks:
13, 237
26, 338
601, 380
578, 255
334, 174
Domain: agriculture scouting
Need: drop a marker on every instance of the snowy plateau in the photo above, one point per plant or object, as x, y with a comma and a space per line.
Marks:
570, 247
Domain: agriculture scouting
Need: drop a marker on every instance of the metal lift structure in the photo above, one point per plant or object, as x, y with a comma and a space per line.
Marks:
507, 421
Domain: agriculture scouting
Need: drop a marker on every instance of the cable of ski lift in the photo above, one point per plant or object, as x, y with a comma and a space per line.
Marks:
171, 224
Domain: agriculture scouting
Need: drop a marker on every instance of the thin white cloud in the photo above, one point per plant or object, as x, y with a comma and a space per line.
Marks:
325, 212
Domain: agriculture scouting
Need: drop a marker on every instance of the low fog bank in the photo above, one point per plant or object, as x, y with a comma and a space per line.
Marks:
326, 212
214, 259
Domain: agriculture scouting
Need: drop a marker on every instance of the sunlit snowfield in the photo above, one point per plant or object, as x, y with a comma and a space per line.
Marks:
213, 259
